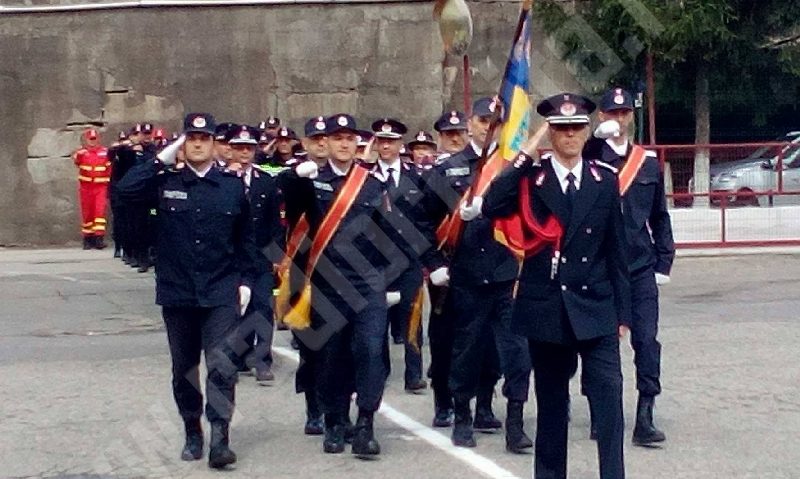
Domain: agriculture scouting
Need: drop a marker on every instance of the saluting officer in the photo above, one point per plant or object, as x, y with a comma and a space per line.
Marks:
344, 204
481, 277
573, 294
414, 236
258, 322
651, 246
205, 261
422, 148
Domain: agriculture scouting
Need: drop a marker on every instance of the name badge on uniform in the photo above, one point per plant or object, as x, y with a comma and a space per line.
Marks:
463, 171
320, 185
176, 195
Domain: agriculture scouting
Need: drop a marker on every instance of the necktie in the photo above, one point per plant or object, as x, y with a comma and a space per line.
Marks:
572, 190
390, 178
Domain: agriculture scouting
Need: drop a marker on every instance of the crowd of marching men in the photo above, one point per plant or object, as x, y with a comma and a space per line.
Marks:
362, 233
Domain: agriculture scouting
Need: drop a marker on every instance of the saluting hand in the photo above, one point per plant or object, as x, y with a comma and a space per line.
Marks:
622, 331
532, 145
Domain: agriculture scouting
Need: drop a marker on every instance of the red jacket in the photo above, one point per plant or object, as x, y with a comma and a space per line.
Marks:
93, 164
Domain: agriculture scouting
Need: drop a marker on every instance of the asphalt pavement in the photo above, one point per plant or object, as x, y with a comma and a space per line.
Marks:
85, 385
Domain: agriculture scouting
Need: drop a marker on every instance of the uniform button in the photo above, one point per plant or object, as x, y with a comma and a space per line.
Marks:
563, 287
584, 288
584, 259
198, 210
563, 259
399, 232
172, 208
485, 281
197, 241
588, 231
401, 215
483, 250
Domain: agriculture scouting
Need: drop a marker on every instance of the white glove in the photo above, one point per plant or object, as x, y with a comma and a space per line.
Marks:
662, 279
307, 169
440, 276
607, 129
168, 155
469, 213
244, 299
392, 298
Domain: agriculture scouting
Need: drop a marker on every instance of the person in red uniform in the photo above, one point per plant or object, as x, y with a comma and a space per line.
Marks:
94, 174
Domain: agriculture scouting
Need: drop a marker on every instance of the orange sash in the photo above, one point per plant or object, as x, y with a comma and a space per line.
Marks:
284, 290
299, 316
631, 168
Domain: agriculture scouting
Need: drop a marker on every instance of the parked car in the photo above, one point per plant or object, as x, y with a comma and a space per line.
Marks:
759, 172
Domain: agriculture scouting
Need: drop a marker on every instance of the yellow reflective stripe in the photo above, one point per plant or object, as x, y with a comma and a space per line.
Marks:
84, 178
100, 168
87, 230
102, 180
99, 227
87, 224
100, 220
85, 167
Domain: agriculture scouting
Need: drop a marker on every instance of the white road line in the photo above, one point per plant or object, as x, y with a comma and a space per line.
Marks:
436, 439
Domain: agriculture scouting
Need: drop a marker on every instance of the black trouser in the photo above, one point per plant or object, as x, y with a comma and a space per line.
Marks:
482, 318
553, 365
441, 328
191, 330
408, 285
258, 325
644, 332
353, 357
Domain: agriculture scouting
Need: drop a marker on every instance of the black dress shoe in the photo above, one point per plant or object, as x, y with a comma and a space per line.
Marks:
443, 417
295, 344
485, 421
99, 243
264, 376
645, 432
416, 387
463, 435
193, 447
349, 431
117, 252
364, 443
314, 427
516, 439
397, 339
334, 439
220, 454
87, 243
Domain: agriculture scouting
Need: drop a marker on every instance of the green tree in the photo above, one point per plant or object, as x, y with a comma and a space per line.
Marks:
706, 46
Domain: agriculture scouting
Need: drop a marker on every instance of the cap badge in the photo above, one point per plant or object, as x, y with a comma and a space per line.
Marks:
619, 99
454, 119
244, 135
199, 122
568, 109
284, 132
421, 137
492, 106
320, 125
342, 121
386, 128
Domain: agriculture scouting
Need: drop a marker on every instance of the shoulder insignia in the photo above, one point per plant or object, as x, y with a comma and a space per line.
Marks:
605, 165
540, 178
596, 174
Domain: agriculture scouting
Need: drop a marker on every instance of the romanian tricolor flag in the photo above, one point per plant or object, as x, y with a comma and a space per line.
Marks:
515, 98
515, 93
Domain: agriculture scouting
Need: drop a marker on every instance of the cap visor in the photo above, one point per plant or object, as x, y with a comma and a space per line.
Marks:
568, 120
388, 136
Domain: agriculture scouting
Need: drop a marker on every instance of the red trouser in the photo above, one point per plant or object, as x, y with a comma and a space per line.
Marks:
93, 208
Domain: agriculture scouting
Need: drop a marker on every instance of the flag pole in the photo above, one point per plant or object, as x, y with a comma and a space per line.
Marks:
497, 115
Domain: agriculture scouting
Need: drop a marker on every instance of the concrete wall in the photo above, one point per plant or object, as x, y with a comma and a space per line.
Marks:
62, 71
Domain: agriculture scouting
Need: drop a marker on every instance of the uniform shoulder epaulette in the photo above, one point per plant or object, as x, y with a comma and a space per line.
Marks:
605, 165
230, 172
441, 158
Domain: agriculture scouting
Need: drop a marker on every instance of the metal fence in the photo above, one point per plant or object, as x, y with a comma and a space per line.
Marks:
749, 195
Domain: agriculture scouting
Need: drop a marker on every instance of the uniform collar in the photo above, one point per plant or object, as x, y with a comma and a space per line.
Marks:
338, 171
200, 173
621, 150
562, 172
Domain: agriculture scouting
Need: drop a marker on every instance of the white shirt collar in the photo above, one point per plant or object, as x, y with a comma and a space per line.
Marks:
478, 149
620, 150
248, 174
562, 172
336, 170
200, 173
396, 164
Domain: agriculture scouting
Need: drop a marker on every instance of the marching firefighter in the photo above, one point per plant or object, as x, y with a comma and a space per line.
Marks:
94, 174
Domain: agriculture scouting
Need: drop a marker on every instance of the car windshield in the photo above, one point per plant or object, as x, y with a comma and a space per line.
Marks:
788, 152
